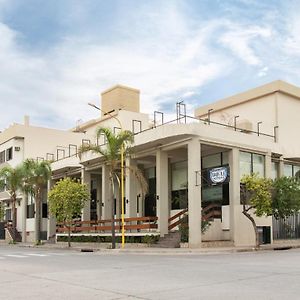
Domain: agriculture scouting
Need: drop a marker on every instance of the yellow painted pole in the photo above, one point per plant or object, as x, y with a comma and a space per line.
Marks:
122, 174
122, 195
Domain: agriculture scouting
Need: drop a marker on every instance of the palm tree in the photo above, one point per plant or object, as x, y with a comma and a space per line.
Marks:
111, 152
37, 174
13, 180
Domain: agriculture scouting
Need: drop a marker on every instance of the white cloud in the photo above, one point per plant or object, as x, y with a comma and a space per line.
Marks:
161, 51
58, 84
263, 72
239, 39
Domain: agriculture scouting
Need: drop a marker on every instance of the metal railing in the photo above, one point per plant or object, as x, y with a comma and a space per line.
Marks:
158, 121
137, 224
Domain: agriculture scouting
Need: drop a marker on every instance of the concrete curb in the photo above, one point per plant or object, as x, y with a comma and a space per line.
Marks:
157, 251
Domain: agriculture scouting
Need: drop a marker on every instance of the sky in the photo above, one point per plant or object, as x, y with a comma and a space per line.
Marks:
58, 55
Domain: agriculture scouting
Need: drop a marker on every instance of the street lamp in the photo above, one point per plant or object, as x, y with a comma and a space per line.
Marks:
122, 172
235, 117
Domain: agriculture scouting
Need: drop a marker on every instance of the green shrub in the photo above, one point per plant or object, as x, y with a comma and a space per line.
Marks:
150, 239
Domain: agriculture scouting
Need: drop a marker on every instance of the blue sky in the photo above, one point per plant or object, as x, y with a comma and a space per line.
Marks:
55, 56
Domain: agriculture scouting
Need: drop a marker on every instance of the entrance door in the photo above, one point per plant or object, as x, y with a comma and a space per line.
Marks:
150, 199
93, 212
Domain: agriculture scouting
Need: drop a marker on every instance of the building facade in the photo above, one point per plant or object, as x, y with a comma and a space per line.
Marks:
193, 164
23, 141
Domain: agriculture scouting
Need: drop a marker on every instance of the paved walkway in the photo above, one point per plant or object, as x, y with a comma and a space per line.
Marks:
277, 245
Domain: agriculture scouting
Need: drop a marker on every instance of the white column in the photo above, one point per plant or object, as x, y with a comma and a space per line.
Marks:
106, 194
86, 179
162, 193
24, 216
268, 165
194, 193
234, 193
130, 189
51, 224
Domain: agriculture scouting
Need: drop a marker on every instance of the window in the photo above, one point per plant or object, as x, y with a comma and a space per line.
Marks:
179, 175
291, 170
30, 211
44, 210
288, 170
8, 215
252, 163
296, 171
2, 157
211, 161
275, 170
9, 154
258, 164
215, 160
245, 164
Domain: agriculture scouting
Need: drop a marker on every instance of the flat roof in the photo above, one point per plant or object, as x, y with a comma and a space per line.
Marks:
267, 89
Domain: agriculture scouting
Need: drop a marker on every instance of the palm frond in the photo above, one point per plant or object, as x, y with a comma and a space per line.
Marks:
137, 172
94, 148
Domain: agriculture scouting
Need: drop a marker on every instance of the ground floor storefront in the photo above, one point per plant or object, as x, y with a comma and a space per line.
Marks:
190, 181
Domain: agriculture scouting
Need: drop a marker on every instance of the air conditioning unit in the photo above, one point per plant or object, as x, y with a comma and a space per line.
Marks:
17, 148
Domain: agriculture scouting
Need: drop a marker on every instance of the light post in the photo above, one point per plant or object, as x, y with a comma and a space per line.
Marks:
258, 127
122, 173
208, 115
235, 117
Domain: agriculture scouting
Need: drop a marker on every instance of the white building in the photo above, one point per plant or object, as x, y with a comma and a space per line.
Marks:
22, 141
255, 131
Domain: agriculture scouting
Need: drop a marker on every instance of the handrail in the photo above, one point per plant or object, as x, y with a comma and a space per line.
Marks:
95, 222
209, 207
178, 216
211, 211
101, 225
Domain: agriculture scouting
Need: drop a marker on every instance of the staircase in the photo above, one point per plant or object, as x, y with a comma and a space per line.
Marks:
170, 240
14, 234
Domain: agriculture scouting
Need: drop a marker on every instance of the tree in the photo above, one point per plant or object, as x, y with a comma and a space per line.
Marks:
286, 197
111, 153
256, 196
66, 201
12, 180
37, 174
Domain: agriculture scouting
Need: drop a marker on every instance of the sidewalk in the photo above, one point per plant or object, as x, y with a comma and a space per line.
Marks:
130, 249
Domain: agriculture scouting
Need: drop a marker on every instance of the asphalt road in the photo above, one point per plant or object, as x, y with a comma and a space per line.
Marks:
29, 273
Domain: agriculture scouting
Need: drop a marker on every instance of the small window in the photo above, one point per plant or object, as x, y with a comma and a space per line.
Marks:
2, 157
275, 170
44, 210
288, 170
30, 211
9, 154
8, 215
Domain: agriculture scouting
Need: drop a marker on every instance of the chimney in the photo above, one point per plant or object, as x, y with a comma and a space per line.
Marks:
120, 97
26, 120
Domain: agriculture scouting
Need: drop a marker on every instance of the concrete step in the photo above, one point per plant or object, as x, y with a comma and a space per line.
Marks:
171, 240
217, 244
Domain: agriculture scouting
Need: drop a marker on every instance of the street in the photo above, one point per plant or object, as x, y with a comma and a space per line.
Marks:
32, 273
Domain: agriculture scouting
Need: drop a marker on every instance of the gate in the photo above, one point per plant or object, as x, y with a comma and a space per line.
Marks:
288, 228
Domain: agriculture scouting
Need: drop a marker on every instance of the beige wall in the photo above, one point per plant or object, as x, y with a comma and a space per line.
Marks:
261, 109
289, 125
274, 104
120, 97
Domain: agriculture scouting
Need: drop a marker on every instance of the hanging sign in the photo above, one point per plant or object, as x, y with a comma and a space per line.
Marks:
218, 175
